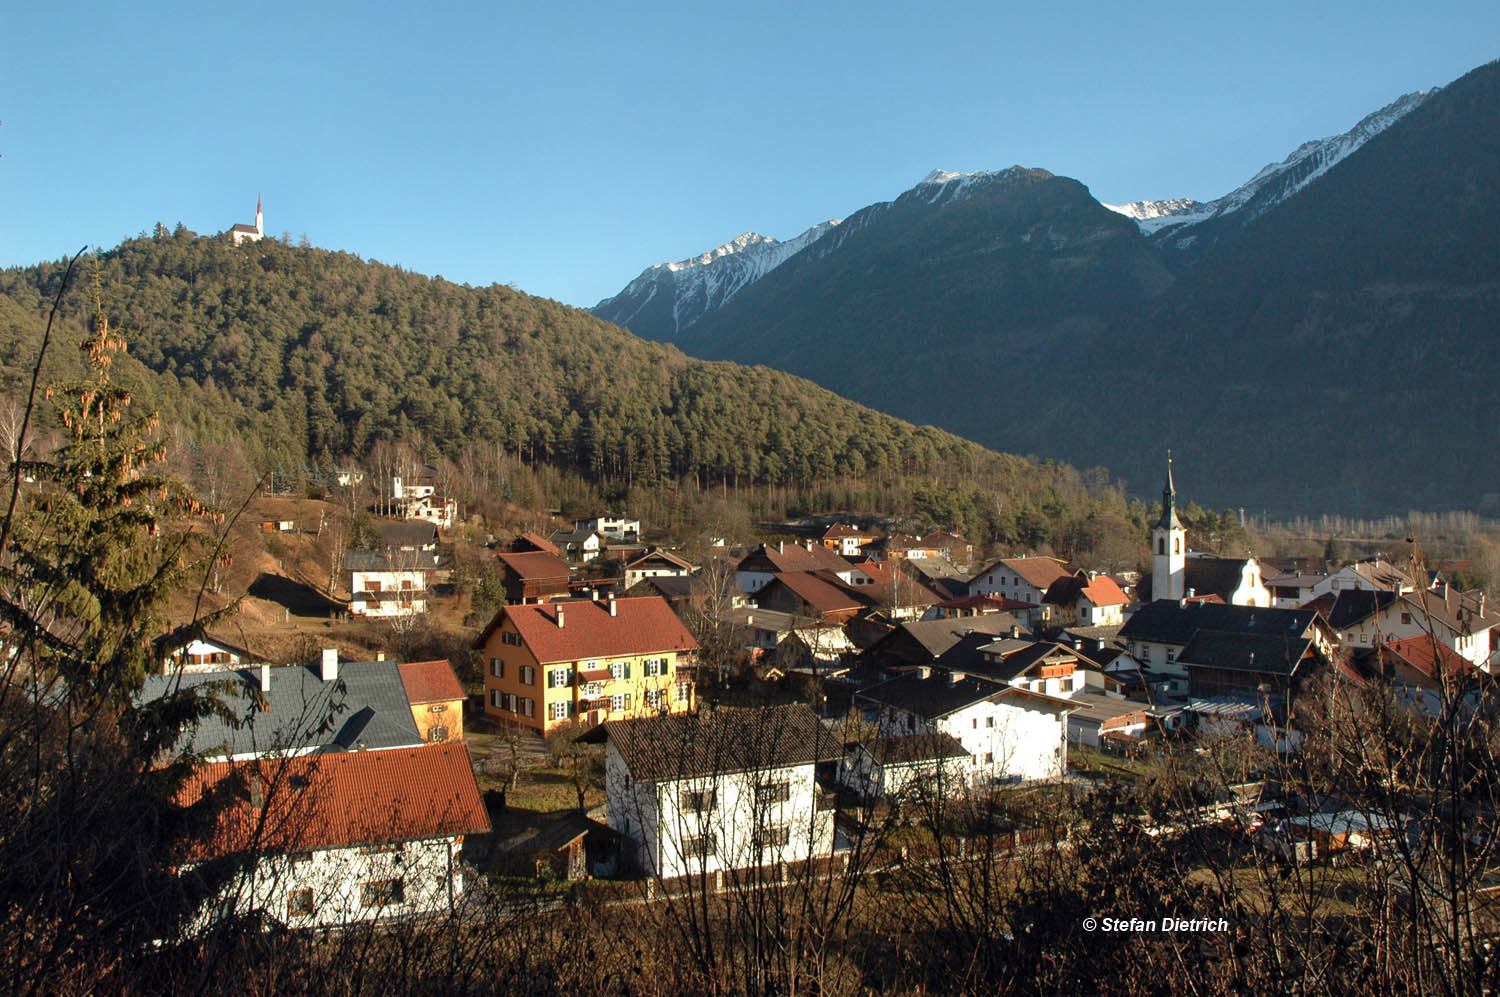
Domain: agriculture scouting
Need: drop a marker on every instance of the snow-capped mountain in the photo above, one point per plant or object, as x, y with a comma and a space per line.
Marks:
1180, 223
669, 297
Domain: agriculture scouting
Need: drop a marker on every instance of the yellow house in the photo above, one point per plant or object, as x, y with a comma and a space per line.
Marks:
437, 699
552, 663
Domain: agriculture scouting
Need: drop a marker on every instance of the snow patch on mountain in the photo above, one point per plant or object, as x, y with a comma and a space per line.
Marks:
1273, 184
703, 284
946, 185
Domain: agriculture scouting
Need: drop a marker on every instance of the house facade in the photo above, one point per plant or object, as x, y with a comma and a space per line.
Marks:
341, 838
388, 583
1010, 733
551, 664
731, 789
437, 700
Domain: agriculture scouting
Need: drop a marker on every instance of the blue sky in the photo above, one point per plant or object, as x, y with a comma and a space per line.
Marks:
562, 148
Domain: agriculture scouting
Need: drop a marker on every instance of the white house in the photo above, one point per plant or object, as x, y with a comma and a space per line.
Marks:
321, 846
656, 564
1024, 579
908, 765
206, 654
614, 527
1374, 575
388, 583
1461, 621
730, 789
1010, 732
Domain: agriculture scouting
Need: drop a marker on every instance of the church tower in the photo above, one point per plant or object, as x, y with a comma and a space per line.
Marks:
1168, 546
260, 225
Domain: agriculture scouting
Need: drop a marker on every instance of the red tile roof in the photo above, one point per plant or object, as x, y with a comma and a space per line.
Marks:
536, 564
822, 595
339, 800
1419, 654
430, 682
533, 542
1039, 572
793, 557
641, 625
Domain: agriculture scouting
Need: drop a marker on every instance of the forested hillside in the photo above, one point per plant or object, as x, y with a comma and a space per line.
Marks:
298, 355
313, 353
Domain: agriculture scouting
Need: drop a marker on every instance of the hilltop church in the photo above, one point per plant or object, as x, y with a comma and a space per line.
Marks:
241, 232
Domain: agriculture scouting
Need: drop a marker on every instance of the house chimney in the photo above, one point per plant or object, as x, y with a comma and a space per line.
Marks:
781, 547
257, 793
1191, 593
955, 677
330, 669
613, 611
560, 617
379, 655
1481, 604
1015, 631
265, 679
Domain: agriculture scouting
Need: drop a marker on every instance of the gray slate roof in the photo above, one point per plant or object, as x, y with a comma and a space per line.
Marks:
660, 749
1165, 621
366, 706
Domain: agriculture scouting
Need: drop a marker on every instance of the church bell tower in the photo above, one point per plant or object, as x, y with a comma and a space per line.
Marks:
1168, 546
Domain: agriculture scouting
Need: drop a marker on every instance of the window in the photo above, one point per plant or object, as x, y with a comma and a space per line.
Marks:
773, 792
771, 837
1406, 618
619, 701
698, 800
437, 734
382, 892
495, 699
528, 707
619, 669
1171, 655
438, 708
593, 690
497, 668
510, 637
1066, 685
989, 758
655, 698
989, 721
974, 723
1161, 545
656, 667
527, 675
699, 846
684, 691
557, 678
559, 710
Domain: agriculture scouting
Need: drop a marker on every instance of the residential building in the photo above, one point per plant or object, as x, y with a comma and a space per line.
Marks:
388, 583
1023, 579
1088, 598
534, 576
1461, 621
656, 564
1010, 732
1157, 633
728, 789
846, 540
908, 766
327, 707
757, 568
550, 664
340, 838
207, 653
1376, 574
613, 527
408, 536
437, 700
577, 544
